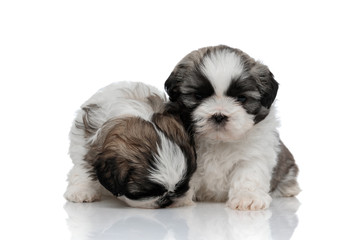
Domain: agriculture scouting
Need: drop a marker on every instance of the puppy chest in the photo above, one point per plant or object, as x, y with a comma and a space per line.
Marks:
214, 175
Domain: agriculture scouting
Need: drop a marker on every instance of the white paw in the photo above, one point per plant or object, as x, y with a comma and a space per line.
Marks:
184, 201
80, 194
249, 200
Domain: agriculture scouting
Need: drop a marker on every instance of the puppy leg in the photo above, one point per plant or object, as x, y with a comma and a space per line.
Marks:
81, 187
249, 188
288, 186
284, 179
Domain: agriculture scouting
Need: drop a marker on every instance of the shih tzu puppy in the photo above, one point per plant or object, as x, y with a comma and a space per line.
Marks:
122, 140
225, 100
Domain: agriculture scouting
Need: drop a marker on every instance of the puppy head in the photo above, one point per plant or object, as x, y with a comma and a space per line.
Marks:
146, 164
220, 92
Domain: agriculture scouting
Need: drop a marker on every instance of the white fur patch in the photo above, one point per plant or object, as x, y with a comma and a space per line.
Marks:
170, 164
220, 68
239, 121
226, 168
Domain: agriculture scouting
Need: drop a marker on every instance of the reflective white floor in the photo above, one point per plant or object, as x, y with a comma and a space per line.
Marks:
110, 219
55, 54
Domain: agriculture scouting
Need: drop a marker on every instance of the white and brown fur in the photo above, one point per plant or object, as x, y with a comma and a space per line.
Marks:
122, 140
225, 100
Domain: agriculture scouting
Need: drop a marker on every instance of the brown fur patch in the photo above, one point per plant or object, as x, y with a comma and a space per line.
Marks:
171, 127
157, 103
123, 144
126, 137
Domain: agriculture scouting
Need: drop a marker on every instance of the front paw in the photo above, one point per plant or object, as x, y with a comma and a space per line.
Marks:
249, 200
184, 201
80, 194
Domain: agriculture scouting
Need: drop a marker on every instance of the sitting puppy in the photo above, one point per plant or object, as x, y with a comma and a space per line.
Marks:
224, 98
122, 141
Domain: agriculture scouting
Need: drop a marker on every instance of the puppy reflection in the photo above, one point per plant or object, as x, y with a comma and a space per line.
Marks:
194, 222
122, 141
110, 218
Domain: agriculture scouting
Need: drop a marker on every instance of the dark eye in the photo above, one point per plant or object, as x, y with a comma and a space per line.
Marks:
241, 99
199, 96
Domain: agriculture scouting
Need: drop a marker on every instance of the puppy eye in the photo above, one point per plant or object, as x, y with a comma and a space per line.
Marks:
241, 99
199, 96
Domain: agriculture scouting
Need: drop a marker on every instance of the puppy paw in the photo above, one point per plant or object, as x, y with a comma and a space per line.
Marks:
185, 201
81, 194
249, 200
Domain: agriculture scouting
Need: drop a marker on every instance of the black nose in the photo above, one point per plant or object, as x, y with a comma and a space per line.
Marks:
219, 118
166, 200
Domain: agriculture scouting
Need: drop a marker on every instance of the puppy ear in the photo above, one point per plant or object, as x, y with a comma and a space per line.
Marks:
182, 71
268, 85
111, 174
172, 127
172, 85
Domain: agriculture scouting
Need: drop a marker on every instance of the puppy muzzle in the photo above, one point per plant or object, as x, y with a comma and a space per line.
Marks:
166, 200
219, 118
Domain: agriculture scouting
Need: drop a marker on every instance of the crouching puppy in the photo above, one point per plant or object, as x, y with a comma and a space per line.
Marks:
225, 100
121, 140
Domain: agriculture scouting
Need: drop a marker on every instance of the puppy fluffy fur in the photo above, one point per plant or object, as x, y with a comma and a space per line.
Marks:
122, 140
225, 100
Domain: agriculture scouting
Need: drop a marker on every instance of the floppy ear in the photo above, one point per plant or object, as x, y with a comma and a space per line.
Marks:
182, 71
268, 85
111, 174
172, 86
271, 91
172, 127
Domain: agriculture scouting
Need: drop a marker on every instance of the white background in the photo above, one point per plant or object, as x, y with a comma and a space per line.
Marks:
56, 54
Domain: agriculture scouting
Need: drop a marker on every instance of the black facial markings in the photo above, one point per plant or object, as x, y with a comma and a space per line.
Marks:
241, 85
241, 98
245, 92
164, 201
181, 188
167, 199
110, 176
144, 190
199, 86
